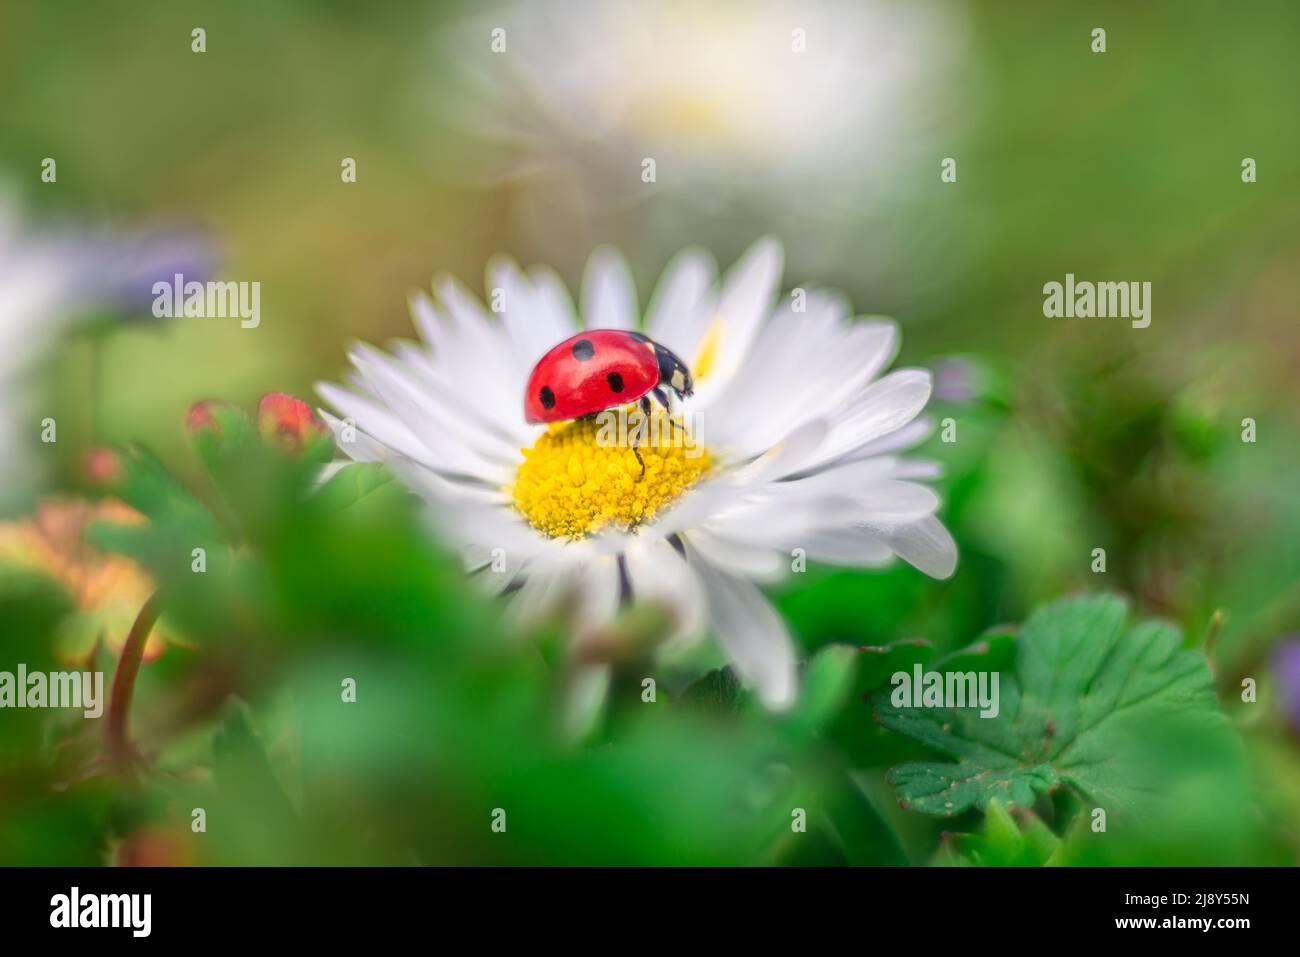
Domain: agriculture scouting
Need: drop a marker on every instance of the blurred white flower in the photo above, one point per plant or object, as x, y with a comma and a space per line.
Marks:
780, 115
47, 280
801, 451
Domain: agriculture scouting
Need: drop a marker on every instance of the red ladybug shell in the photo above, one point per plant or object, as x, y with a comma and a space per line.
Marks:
588, 373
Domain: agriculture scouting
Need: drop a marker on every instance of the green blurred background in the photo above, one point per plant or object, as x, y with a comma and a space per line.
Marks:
1072, 435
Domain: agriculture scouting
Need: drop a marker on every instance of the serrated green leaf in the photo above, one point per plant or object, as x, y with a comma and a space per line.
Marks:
146, 485
230, 434
1116, 712
177, 523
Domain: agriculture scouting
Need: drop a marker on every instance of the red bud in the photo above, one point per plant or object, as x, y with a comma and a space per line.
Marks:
200, 416
281, 416
101, 466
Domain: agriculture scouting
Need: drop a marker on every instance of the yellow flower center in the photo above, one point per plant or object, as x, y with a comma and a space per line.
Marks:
581, 477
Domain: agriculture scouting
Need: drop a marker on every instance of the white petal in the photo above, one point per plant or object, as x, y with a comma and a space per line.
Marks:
584, 698
459, 304
360, 447
917, 469
553, 301
540, 596
659, 574
682, 303
819, 360
853, 546
881, 408
747, 296
608, 294
492, 408
438, 490
432, 327
924, 544
708, 497
487, 526
752, 635
532, 319
759, 560
445, 442
374, 420
471, 365
881, 499
478, 419
599, 591
914, 433
479, 350
776, 523
788, 455
894, 501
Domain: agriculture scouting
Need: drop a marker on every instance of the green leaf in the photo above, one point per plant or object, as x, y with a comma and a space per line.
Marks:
857, 828
229, 436
1006, 840
354, 484
146, 485
245, 780
827, 686
177, 524
854, 732
878, 662
718, 692
1116, 712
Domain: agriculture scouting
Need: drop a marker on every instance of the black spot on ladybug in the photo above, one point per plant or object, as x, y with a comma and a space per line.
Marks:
615, 382
547, 397
583, 350
638, 337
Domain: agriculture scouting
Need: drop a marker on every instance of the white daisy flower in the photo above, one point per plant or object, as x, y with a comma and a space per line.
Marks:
800, 450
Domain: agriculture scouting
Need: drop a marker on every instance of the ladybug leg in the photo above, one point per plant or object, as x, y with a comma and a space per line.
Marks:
636, 437
662, 396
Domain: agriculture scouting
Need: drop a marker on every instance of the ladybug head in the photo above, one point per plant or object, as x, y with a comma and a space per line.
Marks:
673, 372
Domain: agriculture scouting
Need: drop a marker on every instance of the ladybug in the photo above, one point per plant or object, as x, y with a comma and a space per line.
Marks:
600, 369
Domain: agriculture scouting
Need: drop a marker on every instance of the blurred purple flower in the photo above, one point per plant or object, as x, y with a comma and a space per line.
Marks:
1286, 675
49, 278
120, 271
957, 379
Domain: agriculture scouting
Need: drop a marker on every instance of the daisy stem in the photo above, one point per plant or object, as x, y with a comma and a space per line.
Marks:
120, 751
